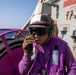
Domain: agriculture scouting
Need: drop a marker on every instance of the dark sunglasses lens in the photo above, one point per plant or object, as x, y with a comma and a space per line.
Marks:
38, 31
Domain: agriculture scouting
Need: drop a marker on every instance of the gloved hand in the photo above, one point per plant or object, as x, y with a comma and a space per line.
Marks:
28, 45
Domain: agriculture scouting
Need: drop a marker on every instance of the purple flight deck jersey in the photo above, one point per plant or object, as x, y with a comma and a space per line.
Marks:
57, 59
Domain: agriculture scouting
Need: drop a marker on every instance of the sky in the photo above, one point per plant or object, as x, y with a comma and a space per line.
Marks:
15, 13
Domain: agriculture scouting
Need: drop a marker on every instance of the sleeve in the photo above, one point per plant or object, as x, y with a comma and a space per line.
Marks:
24, 64
27, 65
70, 61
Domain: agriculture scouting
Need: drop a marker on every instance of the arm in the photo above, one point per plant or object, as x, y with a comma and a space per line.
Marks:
24, 64
70, 62
27, 64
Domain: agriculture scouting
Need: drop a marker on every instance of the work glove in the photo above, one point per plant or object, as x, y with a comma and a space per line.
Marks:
28, 45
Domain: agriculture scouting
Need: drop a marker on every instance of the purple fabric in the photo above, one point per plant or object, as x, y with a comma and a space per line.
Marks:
38, 47
44, 59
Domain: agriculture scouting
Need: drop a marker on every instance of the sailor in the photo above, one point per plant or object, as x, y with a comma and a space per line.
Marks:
51, 55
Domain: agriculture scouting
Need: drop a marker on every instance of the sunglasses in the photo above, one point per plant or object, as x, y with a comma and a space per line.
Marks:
40, 31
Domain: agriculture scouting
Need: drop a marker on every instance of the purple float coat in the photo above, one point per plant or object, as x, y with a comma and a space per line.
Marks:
44, 59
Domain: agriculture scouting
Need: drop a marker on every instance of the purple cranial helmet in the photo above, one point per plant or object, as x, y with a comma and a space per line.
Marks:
41, 19
41, 24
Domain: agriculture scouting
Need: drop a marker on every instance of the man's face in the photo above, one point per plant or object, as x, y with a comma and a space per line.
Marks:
39, 33
41, 40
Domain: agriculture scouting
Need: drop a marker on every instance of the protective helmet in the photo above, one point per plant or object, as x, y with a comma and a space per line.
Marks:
41, 24
41, 19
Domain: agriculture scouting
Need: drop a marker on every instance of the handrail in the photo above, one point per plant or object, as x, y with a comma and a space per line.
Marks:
11, 31
2, 36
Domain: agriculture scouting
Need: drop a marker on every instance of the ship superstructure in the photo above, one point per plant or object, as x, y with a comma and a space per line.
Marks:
63, 13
